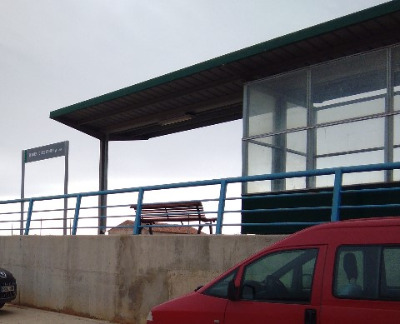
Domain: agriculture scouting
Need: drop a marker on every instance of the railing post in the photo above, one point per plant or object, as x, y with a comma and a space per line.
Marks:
137, 229
336, 200
76, 215
29, 217
221, 207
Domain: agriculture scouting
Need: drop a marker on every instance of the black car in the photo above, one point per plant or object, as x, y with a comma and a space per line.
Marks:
8, 287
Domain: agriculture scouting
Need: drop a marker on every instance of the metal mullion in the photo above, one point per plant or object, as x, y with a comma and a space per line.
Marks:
277, 147
389, 119
311, 161
350, 102
245, 144
327, 124
372, 149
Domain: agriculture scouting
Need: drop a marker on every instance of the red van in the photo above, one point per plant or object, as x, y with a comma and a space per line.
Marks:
346, 272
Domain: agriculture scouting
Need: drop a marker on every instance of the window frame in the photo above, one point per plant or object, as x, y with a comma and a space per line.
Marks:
282, 269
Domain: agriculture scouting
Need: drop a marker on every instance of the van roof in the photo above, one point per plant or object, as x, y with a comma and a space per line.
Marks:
320, 233
362, 222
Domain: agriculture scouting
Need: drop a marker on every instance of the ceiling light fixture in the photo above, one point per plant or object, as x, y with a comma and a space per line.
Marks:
175, 120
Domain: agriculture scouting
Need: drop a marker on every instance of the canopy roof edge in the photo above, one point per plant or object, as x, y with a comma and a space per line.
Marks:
222, 68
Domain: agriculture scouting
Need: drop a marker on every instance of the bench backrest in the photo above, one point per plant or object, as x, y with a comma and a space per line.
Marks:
172, 209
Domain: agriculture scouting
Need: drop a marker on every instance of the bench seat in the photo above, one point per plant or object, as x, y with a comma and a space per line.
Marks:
183, 211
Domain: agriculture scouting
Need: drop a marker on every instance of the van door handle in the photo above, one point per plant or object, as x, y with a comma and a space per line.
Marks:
310, 316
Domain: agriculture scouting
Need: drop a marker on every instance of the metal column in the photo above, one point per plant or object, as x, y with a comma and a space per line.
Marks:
66, 172
103, 175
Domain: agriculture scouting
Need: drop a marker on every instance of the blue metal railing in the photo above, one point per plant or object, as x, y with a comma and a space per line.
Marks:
224, 203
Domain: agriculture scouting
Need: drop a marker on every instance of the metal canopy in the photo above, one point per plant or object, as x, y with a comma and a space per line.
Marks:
212, 92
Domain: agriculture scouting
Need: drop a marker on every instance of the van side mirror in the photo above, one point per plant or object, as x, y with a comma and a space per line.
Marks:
232, 291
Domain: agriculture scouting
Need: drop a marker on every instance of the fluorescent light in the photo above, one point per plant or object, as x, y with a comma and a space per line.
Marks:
175, 120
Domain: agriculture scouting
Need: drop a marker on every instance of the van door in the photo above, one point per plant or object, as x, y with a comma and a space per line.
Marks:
365, 285
279, 287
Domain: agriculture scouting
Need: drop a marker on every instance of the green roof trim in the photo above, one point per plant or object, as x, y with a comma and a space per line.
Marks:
332, 25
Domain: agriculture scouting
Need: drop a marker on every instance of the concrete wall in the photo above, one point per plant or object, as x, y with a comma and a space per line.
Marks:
118, 278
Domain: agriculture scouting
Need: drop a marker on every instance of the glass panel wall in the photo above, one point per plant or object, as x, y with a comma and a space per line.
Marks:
350, 138
396, 156
259, 153
350, 88
396, 77
396, 108
340, 113
273, 108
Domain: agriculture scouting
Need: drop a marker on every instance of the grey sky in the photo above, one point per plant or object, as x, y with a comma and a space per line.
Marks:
57, 53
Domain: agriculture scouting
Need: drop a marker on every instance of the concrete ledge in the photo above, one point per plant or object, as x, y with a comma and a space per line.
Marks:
118, 278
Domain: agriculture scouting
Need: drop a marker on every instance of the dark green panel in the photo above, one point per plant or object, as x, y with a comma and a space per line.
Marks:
316, 204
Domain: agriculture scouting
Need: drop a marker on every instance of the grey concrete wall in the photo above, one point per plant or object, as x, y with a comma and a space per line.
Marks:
118, 278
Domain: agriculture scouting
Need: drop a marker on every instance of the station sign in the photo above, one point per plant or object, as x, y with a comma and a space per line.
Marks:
45, 152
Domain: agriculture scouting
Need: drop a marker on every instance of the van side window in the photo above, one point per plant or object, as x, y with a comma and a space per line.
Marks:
220, 288
282, 276
349, 275
367, 272
390, 283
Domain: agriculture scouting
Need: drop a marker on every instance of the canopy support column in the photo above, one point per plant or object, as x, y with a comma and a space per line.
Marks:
103, 175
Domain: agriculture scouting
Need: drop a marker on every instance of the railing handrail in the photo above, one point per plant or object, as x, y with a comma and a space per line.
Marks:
261, 177
338, 172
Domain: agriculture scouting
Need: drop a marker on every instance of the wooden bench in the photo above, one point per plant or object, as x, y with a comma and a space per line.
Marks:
183, 211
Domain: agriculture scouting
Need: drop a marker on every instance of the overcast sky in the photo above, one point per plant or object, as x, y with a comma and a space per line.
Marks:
57, 53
